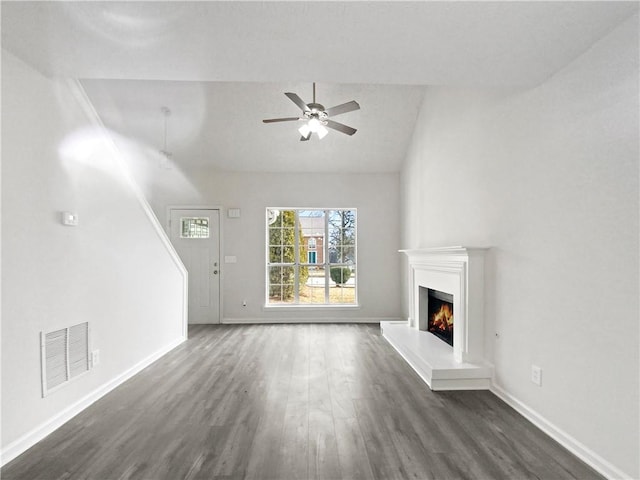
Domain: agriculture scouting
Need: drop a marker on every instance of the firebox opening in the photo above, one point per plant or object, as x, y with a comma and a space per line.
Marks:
440, 315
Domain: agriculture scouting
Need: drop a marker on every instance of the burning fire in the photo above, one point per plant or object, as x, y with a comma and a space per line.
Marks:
443, 319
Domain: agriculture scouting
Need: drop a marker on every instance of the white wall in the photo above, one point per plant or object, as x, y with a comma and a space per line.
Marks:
112, 270
547, 177
376, 196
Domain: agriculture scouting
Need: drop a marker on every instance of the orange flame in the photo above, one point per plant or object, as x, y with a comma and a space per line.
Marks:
443, 319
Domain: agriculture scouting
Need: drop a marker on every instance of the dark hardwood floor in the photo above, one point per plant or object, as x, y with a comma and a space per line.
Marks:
293, 402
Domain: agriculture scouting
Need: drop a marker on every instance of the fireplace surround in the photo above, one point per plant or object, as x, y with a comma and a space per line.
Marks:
459, 273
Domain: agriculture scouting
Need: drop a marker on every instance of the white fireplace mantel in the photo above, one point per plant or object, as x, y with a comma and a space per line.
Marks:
458, 271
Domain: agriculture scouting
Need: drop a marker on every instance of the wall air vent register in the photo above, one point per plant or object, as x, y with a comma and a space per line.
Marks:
64, 355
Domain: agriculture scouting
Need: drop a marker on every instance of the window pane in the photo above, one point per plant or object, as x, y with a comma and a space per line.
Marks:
349, 254
275, 254
313, 290
312, 232
273, 217
333, 254
194, 227
341, 234
344, 291
275, 236
288, 236
343, 254
281, 284
288, 255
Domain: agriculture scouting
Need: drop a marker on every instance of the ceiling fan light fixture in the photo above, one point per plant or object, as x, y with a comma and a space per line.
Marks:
321, 131
304, 130
314, 124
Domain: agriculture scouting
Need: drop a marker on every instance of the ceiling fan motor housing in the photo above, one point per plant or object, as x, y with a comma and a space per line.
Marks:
316, 111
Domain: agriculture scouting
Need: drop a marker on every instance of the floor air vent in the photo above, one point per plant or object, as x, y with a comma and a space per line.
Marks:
65, 355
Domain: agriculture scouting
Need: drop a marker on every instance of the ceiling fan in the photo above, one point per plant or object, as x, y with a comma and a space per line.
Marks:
317, 117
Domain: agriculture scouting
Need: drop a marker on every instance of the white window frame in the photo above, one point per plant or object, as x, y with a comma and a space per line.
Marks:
297, 263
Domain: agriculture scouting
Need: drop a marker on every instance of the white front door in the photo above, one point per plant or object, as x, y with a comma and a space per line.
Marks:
195, 234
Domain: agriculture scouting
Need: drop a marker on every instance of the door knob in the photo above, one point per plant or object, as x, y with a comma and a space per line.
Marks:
215, 272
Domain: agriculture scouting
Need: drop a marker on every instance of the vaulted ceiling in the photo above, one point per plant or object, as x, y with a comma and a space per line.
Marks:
223, 66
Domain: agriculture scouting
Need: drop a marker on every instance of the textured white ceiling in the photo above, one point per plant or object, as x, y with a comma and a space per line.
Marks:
220, 123
223, 66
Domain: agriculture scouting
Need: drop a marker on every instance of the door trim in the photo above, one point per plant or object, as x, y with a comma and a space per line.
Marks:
167, 227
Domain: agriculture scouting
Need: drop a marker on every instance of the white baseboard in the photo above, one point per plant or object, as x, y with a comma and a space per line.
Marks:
262, 320
588, 456
29, 439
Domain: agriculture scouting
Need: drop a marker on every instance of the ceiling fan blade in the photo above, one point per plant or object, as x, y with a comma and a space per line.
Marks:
298, 101
304, 139
341, 127
343, 108
288, 119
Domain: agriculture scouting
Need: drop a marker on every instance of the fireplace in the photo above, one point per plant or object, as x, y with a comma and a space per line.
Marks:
444, 281
438, 310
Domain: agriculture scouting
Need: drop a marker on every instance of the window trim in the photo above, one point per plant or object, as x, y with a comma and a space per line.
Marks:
326, 263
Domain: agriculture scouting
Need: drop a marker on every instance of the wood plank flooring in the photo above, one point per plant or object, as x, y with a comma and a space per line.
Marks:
293, 402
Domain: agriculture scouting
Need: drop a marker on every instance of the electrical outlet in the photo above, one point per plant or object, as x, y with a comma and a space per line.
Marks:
536, 375
95, 357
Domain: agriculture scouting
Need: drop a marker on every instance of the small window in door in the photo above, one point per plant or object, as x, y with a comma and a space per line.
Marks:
194, 227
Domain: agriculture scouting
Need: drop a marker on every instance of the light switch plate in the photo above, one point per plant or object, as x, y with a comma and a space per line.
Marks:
233, 213
230, 259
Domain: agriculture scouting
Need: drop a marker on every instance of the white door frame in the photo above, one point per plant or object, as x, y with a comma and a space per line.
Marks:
220, 243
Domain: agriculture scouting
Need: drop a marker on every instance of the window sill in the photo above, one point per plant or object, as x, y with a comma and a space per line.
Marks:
310, 307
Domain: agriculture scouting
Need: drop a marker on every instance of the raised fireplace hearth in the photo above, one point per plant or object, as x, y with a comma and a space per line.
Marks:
443, 339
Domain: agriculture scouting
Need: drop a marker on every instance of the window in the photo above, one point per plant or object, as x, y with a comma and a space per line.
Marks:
298, 276
194, 227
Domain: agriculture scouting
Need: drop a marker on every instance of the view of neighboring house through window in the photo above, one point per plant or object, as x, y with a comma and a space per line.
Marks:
311, 256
